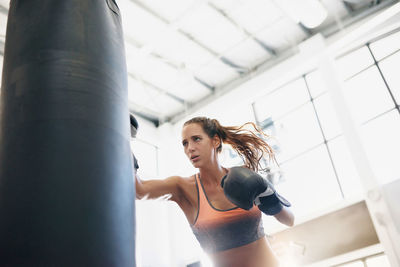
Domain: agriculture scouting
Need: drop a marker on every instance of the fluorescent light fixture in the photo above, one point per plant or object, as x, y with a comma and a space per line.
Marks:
310, 13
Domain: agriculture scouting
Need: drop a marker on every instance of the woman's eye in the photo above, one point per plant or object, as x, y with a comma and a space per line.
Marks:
196, 138
184, 143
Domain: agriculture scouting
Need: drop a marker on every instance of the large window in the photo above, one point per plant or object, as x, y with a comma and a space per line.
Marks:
372, 90
309, 177
311, 149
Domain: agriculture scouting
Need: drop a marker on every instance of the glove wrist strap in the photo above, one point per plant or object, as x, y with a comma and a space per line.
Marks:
269, 191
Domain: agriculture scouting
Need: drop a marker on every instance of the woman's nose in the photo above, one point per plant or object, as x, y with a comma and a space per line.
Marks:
190, 147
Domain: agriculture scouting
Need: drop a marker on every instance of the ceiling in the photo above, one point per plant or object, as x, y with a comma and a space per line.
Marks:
180, 53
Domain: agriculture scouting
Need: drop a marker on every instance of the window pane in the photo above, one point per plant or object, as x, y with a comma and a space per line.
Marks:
315, 83
378, 261
327, 116
367, 95
390, 69
309, 182
230, 157
148, 166
345, 169
382, 145
282, 100
386, 46
354, 62
353, 264
297, 132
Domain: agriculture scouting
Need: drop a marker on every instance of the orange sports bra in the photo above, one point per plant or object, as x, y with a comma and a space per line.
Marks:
218, 230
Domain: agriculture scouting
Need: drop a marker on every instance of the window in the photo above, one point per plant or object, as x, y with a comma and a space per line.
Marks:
389, 67
354, 62
277, 103
378, 261
346, 171
367, 95
305, 162
386, 46
311, 150
310, 182
382, 143
353, 264
327, 115
372, 89
297, 132
315, 84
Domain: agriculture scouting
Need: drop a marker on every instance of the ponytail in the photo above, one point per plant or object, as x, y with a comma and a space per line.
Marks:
248, 143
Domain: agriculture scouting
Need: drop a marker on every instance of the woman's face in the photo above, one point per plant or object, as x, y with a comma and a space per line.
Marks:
198, 146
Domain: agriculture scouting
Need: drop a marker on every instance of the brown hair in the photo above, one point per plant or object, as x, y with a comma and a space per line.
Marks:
250, 147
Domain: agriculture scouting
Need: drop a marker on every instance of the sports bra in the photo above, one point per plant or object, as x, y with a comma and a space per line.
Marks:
218, 230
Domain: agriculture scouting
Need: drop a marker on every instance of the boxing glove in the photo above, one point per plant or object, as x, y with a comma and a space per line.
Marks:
135, 162
134, 127
244, 188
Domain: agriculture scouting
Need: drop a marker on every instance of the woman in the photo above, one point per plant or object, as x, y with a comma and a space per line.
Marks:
230, 235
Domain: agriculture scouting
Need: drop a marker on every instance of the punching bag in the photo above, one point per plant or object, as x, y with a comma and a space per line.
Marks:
66, 188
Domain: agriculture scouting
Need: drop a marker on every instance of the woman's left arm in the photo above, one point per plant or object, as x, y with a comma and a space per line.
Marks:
285, 216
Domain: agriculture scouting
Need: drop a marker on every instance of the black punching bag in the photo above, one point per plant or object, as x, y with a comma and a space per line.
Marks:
66, 188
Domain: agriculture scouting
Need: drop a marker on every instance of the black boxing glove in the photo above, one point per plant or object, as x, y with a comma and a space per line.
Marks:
134, 125
244, 188
135, 162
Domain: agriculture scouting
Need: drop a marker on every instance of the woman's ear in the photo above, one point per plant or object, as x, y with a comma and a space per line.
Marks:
216, 141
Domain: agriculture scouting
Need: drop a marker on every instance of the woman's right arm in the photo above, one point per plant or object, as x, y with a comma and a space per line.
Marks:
152, 189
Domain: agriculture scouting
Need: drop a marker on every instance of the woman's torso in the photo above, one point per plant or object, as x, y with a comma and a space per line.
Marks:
257, 253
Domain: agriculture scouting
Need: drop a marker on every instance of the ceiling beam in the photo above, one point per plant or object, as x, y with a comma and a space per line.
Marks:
263, 45
144, 115
306, 30
355, 17
349, 8
233, 65
210, 87
266, 47
158, 89
220, 91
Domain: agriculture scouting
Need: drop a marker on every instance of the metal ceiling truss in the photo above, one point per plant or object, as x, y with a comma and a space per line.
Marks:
144, 115
205, 84
306, 30
158, 89
357, 15
263, 45
228, 63
349, 7
187, 35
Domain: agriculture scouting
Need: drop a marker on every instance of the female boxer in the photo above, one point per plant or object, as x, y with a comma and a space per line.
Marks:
223, 206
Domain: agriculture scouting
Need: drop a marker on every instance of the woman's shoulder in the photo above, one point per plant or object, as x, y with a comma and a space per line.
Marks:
189, 180
182, 180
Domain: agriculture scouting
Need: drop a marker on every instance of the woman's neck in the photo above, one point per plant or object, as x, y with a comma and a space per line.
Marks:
212, 174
